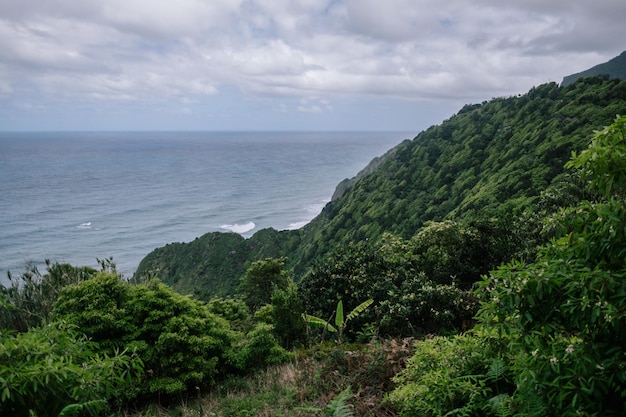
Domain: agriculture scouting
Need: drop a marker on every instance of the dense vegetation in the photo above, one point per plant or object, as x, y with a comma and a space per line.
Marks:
550, 338
505, 297
502, 159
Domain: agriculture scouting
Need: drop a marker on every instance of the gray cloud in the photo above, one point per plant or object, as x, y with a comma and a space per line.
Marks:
313, 51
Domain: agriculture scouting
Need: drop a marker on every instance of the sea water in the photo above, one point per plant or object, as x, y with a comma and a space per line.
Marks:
74, 197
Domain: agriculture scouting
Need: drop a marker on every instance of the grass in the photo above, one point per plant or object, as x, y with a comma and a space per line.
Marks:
306, 386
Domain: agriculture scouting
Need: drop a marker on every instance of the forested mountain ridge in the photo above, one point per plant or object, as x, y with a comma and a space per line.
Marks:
490, 160
490, 157
614, 68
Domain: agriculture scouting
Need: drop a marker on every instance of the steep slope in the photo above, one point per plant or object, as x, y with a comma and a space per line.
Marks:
488, 160
212, 264
491, 159
614, 68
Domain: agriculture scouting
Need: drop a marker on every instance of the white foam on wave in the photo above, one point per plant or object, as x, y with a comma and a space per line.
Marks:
239, 228
297, 225
86, 225
312, 211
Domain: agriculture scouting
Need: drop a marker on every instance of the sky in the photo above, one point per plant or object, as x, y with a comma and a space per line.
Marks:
363, 65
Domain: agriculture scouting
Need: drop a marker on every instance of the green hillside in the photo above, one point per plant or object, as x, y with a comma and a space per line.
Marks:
614, 68
490, 161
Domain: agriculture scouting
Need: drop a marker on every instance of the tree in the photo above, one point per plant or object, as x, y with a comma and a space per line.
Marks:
553, 331
289, 326
261, 280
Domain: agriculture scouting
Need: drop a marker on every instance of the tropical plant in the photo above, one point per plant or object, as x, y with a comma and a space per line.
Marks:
341, 321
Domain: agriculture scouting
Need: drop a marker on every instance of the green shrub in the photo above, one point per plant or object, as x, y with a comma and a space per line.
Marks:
407, 301
289, 327
53, 368
459, 375
559, 323
27, 301
234, 310
259, 348
422, 306
261, 280
180, 342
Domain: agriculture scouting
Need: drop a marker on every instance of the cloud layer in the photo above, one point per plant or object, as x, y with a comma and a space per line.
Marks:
306, 54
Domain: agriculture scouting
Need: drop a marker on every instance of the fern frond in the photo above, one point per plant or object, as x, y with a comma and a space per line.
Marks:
339, 406
89, 407
496, 370
500, 405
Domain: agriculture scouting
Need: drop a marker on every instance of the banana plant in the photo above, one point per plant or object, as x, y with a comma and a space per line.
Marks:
341, 321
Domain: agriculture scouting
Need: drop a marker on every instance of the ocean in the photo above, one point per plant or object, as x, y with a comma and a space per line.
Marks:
77, 196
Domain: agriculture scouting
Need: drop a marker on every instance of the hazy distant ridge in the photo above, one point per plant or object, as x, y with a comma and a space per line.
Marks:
614, 68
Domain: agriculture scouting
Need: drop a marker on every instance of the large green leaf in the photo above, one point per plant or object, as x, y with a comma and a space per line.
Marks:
317, 322
359, 309
339, 314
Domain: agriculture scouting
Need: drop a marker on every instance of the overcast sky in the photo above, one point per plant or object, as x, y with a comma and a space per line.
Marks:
285, 65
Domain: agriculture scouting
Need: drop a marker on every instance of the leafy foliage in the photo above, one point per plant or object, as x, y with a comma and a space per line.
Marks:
54, 370
257, 350
27, 301
261, 280
459, 375
558, 323
490, 161
179, 341
289, 327
406, 301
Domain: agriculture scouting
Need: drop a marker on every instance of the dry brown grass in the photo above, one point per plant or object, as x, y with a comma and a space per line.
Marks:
304, 387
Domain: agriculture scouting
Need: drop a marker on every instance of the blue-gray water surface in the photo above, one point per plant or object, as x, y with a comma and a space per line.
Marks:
74, 197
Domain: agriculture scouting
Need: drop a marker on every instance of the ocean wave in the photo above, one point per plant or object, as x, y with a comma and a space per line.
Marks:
239, 228
297, 225
86, 225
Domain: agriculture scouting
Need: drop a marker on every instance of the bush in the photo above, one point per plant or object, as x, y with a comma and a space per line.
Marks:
261, 280
27, 301
289, 327
54, 367
180, 342
459, 375
259, 348
421, 306
407, 301
559, 323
